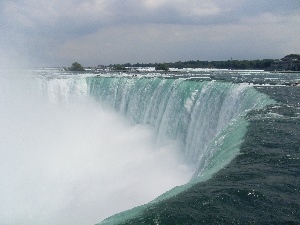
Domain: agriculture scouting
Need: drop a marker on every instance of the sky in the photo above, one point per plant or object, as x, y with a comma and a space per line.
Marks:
103, 32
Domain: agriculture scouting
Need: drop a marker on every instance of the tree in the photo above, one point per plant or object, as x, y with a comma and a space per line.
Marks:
162, 66
294, 56
119, 67
76, 67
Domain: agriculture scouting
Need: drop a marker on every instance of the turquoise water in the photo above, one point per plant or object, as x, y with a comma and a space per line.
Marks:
192, 113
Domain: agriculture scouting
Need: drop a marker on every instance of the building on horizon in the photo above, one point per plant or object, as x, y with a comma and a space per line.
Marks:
289, 62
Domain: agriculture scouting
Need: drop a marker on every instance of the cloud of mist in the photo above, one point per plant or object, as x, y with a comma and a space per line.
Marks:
75, 163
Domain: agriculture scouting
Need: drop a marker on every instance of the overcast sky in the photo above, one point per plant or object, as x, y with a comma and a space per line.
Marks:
92, 32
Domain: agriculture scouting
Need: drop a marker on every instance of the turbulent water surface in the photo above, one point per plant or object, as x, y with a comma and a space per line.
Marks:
77, 148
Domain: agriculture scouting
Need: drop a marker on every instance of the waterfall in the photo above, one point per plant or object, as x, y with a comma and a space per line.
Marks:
54, 118
200, 115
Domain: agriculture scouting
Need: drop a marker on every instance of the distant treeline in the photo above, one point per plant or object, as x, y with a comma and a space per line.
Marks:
229, 64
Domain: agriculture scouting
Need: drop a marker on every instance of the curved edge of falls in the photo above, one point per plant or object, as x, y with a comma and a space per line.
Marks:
205, 118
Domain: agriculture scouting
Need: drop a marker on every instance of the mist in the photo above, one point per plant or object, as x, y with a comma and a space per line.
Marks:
66, 159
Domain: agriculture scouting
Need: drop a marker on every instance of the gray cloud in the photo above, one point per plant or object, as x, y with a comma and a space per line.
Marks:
55, 32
